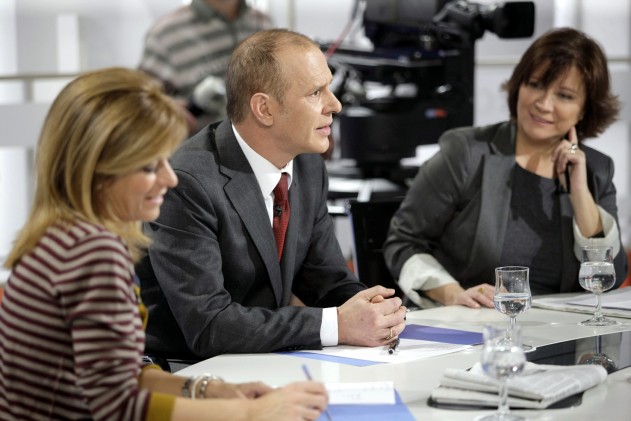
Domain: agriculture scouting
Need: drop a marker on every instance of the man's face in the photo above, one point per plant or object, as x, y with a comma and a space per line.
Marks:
302, 123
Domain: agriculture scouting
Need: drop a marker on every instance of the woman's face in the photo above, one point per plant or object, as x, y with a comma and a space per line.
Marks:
138, 196
547, 113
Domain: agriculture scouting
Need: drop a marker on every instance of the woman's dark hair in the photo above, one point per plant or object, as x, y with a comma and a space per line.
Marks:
556, 52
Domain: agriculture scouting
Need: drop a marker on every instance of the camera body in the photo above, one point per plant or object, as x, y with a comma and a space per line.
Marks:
418, 80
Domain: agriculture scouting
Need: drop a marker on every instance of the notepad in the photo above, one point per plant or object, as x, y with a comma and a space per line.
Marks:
363, 412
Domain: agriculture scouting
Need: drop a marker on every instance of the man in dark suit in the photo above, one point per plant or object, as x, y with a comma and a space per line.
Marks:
213, 280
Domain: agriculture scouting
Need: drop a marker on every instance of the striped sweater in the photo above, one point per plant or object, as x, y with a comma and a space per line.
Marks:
193, 42
71, 335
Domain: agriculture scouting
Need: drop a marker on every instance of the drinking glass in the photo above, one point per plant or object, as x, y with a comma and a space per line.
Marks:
512, 295
502, 360
597, 275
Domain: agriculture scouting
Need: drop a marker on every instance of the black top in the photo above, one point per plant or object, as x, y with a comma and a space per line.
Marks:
533, 231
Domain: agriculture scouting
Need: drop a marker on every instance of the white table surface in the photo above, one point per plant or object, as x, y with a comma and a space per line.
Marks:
415, 380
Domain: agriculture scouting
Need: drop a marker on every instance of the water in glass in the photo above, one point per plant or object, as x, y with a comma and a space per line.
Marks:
597, 275
512, 304
502, 360
512, 295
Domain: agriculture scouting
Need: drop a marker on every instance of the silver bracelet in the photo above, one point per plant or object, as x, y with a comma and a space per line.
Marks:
204, 385
202, 378
194, 386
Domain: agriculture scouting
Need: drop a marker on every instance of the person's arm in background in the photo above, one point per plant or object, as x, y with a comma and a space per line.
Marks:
595, 213
156, 61
429, 207
427, 283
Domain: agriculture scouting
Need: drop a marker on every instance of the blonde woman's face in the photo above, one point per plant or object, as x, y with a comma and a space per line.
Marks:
138, 196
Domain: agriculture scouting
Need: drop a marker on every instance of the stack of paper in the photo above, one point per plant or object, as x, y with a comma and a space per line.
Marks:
538, 386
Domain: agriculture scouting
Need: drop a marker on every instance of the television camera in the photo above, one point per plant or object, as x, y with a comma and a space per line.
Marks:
418, 78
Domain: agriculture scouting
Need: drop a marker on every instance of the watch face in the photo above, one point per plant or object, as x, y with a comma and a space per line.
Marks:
612, 351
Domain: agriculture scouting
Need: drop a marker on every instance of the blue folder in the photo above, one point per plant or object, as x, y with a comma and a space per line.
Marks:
440, 334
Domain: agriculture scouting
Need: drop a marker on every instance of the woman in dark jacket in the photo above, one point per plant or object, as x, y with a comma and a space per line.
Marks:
523, 192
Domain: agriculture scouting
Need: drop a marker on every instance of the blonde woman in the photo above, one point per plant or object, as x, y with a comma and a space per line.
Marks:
71, 322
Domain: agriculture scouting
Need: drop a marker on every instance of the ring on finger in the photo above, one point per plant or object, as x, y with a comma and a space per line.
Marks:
573, 148
390, 335
481, 290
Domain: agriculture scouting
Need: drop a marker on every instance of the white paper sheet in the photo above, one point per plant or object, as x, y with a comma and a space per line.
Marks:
619, 299
361, 393
615, 303
408, 350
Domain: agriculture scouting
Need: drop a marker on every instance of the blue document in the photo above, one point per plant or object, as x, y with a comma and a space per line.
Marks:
439, 334
399, 412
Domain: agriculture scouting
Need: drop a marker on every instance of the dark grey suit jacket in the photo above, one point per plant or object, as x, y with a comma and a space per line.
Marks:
212, 281
458, 207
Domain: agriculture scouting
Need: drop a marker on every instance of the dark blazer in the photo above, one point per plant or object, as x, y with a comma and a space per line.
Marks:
458, 206
212, 281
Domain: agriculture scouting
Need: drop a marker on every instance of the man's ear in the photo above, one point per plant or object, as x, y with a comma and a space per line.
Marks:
261, 106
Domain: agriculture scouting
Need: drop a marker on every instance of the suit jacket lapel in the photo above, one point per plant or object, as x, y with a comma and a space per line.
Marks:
243, 191
491, 228
495, 201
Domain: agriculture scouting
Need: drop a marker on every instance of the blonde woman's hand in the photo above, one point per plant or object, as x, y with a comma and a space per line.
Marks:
254, 389
295, 402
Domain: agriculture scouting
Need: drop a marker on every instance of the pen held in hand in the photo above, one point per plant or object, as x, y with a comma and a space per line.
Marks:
392, 346
305, 369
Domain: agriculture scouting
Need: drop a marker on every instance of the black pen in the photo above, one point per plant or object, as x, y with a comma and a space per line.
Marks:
308, 374
392, 346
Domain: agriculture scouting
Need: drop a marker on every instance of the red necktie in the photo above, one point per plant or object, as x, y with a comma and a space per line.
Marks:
280, 212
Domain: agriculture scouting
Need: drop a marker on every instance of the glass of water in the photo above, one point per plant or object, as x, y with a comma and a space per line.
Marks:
597, 275
512, 295
501, 360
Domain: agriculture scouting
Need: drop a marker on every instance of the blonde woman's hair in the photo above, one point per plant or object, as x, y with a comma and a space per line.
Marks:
104, 124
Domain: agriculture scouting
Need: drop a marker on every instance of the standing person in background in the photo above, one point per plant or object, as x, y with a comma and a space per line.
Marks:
189, 49
71, 321
215, 280
526, 192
